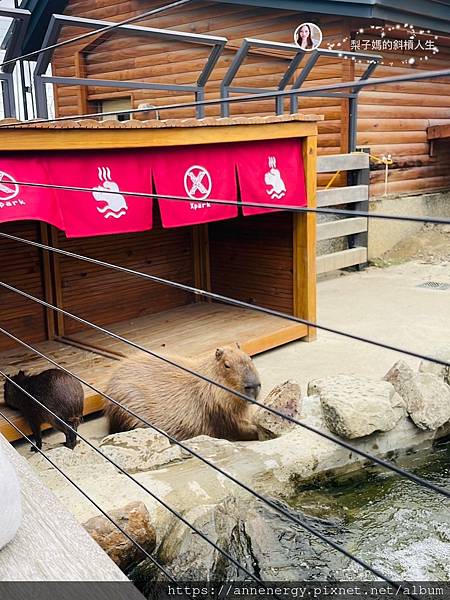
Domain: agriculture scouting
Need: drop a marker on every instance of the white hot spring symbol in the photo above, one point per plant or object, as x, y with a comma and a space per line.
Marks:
273, 180
115, 204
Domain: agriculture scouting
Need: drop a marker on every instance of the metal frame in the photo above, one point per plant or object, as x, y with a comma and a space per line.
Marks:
14, 38
57, 22
295, 62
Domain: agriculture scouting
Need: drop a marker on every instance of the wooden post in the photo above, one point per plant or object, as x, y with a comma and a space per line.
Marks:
82, 91
202, 272
57, 284
46, 261
361, 240
305, 235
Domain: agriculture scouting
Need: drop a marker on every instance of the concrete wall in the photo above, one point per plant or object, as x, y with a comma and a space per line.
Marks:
384, 235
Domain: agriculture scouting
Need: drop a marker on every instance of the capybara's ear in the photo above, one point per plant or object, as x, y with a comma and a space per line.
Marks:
237, 345
219, 353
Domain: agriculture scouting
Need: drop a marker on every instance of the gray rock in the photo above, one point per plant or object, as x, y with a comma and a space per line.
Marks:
354, 407
135, 521
399, 375
266, 543
427, 400
82, 454
284, 398
440, 370
136, 450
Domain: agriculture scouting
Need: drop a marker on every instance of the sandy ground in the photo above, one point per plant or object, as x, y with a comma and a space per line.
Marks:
383, 303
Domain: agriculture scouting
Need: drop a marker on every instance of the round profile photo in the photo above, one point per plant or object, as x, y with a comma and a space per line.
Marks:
308, 36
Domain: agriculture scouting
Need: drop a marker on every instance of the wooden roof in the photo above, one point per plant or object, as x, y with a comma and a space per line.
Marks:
157, 123
110, 134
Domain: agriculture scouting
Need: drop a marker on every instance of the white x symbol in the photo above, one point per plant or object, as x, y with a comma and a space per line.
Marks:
8, 187
196, 174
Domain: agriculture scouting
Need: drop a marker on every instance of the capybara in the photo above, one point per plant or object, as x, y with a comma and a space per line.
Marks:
182, 404
56, 390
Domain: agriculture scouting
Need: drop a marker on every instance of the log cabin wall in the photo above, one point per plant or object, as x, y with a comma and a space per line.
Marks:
391, 120
22, 267
166, 62
106, 296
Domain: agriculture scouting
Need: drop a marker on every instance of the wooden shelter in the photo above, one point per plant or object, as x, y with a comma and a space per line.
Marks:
267, 259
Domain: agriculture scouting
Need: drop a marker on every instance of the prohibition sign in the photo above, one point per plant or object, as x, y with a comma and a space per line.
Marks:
197, 183
8, 187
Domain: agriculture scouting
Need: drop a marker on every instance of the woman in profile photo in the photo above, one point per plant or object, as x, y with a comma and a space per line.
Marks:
304, 39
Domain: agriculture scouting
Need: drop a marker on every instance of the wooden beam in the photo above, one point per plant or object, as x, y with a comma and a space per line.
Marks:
202, 269
334, 229
275, 339
304, 231
47, 278
340, 260
342, 195
57, 282
438, 132
342, 162
39, 138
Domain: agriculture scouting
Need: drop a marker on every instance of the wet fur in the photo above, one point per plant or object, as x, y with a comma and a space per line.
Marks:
184, 405
59, 392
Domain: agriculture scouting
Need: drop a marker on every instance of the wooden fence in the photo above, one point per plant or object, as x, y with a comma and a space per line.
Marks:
356, 196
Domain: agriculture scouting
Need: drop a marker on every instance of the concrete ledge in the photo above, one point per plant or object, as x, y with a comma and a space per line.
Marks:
50, 545
384, 235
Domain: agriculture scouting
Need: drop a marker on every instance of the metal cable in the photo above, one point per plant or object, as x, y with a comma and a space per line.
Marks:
174, 512
244, 486
372, 458
310, 529
104, 513
293, 209
211, 296
416, 76
148, 13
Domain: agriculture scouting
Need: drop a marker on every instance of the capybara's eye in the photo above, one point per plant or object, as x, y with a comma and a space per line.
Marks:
227, 365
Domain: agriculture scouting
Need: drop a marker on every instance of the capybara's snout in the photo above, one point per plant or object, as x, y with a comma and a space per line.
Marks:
252, 386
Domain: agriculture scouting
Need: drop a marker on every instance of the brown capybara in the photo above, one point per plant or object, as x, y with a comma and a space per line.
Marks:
56, 390
181, 404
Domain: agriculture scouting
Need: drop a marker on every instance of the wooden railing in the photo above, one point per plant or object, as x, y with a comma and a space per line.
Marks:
356, 196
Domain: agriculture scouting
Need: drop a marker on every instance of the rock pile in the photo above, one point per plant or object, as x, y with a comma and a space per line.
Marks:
404, 411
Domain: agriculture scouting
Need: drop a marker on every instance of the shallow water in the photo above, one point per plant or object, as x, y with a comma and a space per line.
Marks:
395, 525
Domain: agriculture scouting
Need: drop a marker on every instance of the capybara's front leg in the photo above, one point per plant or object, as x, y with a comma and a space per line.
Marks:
247, 431
71, 438
36, 429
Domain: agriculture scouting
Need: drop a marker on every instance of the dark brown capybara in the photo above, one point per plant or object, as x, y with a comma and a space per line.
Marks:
56, 390
180, 403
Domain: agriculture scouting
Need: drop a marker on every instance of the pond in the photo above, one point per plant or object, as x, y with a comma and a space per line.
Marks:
395, 525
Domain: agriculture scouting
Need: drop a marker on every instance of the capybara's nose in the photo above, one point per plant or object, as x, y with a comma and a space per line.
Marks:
253, 390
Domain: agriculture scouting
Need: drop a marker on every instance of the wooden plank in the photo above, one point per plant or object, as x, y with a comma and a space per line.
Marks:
342, 227
340, 260
342, 195
438, 132
278, 338
304, 241
26, 138
342, 162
